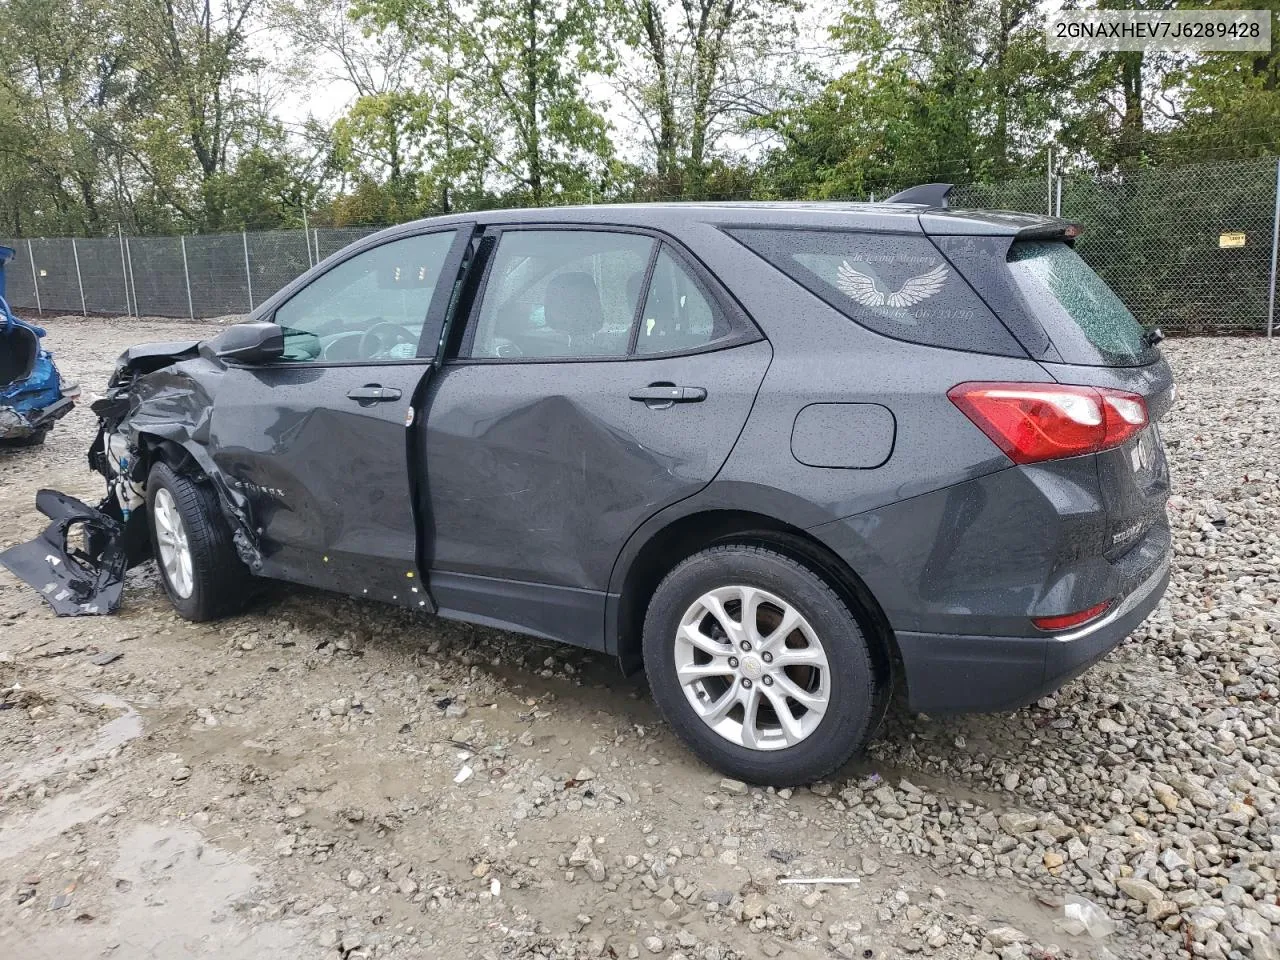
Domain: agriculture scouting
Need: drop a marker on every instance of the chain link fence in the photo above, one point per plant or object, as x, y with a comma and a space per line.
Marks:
1189, 249
198, 276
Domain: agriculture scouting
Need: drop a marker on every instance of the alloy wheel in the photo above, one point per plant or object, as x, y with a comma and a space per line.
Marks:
172, 542
752, 667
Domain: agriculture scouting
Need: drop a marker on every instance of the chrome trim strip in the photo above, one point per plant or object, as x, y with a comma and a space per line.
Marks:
1134, 598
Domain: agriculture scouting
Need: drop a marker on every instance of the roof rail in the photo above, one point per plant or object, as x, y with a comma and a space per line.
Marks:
930, 194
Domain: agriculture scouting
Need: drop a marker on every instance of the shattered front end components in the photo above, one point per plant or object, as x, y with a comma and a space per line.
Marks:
32, 392
152, 412
77, 564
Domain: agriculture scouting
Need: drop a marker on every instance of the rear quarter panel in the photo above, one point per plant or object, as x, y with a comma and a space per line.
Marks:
944, 527
821, 356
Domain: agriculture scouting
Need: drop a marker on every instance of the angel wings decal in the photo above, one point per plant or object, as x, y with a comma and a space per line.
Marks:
868, 291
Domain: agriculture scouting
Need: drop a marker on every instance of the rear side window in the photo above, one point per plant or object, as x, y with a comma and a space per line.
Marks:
900, 286
1087, 322
678, 315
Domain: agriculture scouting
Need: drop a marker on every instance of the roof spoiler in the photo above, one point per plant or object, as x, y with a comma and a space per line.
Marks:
930, 194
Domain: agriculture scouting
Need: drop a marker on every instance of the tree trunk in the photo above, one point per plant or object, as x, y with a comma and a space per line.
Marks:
1132, 122
655, 36
532, 86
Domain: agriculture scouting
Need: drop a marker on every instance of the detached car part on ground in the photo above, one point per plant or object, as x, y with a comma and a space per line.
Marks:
32, 393
776, 455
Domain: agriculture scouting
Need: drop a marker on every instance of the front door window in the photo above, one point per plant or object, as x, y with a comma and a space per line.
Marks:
370, 307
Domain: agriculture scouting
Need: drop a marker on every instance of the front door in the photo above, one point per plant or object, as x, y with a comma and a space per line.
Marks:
601, 378
319, 441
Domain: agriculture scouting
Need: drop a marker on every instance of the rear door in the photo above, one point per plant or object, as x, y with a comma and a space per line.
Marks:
320, 441
602, 376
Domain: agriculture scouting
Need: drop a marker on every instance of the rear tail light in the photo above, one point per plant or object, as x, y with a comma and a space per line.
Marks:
1071, 619
1031, 422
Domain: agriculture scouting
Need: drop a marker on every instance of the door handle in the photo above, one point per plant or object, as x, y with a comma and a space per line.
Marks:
374, 393
668, 393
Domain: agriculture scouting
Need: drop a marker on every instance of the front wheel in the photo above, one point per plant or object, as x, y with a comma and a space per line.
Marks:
759, 666
201, 571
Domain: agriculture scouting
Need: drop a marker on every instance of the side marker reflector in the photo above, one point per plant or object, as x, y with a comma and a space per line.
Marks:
1072, 619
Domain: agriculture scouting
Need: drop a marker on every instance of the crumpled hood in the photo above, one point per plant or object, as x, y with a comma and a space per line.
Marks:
147, 357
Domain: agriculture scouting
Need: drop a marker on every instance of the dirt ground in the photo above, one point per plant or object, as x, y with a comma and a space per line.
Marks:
322, 777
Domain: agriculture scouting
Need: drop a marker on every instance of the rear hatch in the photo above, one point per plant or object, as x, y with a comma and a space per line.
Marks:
1101, 344
1081, 333
19, 346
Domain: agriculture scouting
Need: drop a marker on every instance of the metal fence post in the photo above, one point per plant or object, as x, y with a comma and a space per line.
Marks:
248, 274
124, 270
1058, 198
1050, 180
34, 279
84, 311
128, 253
1275, 244
306, 236
186, 274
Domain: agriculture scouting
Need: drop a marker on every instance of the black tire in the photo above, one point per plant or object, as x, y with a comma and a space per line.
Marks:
853, 704
33, 439
220, 581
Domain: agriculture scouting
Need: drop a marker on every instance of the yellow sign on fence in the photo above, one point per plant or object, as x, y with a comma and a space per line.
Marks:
1231, 240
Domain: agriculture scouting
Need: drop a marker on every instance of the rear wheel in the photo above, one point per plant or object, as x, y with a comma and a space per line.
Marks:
759, 666
201, 571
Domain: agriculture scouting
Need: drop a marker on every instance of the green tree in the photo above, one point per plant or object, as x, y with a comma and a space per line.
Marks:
697, 71
955, 90
508, 97
197, 98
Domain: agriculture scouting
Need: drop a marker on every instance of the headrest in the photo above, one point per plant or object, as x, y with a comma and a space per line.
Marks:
572, 305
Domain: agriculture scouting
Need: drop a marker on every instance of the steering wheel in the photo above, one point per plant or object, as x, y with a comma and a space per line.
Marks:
506, 350
401, 334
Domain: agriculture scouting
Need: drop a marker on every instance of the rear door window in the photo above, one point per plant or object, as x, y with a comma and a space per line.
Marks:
1087, 322
897, 285
569, 294
678, 315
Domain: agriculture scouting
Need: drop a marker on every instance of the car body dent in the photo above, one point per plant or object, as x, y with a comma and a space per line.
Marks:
539, 435
329, 481
172, 404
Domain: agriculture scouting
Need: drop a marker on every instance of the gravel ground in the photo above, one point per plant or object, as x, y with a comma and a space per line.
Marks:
321, 777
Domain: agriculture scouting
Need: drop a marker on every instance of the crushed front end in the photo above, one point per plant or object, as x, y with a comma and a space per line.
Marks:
155, 408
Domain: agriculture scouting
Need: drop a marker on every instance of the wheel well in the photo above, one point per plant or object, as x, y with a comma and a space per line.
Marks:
155, 450
689, 535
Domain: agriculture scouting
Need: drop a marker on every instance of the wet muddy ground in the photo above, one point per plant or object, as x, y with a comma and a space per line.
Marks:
323, 777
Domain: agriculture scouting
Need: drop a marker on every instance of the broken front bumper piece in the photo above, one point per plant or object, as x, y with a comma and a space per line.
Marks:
77, 580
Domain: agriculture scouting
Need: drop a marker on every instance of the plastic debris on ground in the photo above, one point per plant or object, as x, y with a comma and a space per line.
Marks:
1081, 915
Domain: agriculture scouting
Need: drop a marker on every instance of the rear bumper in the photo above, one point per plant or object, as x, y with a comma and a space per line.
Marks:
947, 673
15, 424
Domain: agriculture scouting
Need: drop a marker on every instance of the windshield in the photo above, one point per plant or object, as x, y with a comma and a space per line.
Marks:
1086, 320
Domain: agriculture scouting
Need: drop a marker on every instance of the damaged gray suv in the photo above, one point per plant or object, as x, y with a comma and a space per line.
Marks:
776, 455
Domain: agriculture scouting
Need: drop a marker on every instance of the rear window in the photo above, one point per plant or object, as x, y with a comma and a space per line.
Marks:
897, 285
1087, 322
